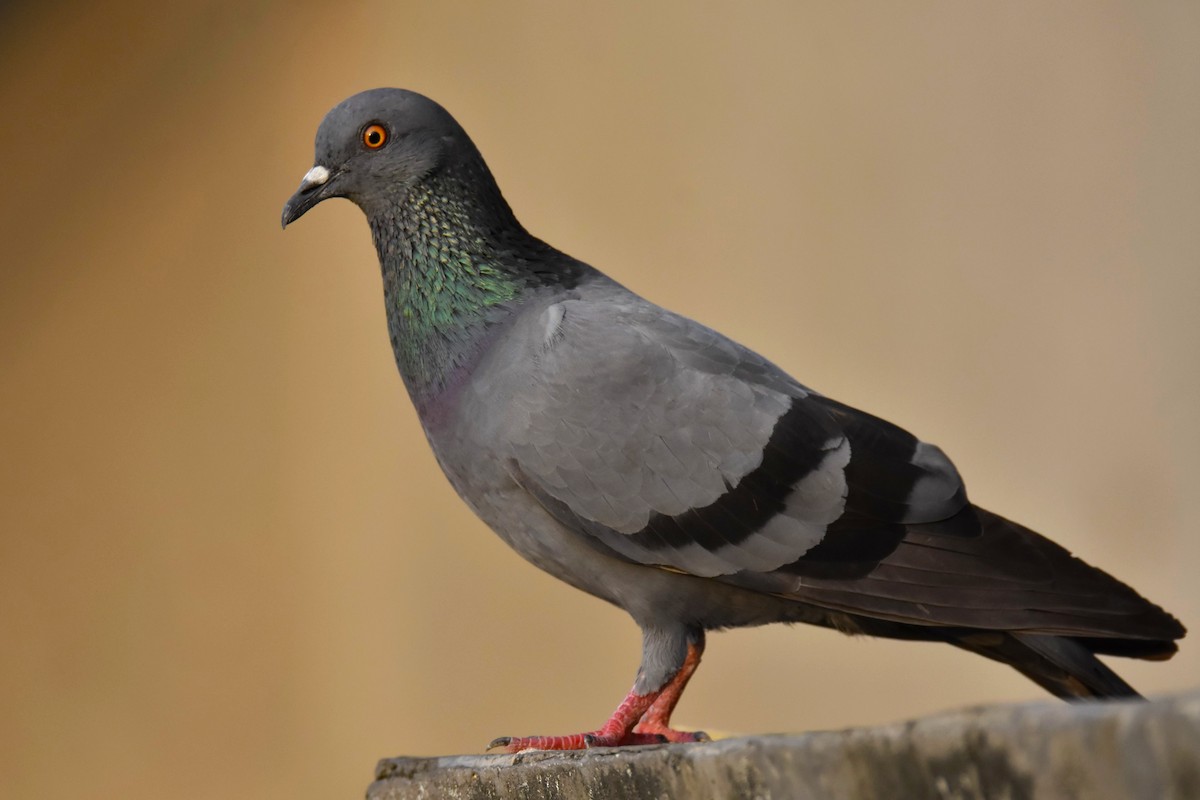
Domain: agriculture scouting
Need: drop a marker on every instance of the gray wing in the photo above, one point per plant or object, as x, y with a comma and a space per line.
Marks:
673, 446
666, 444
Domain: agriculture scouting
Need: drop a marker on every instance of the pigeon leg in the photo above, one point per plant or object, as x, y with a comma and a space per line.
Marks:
657, 718
669, 657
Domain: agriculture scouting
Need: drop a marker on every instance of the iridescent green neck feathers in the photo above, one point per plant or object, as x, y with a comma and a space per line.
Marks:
455, 262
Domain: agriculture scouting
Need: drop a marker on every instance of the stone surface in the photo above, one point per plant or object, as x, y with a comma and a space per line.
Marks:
1116, 750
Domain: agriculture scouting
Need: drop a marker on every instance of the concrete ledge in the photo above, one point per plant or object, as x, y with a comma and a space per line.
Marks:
1116, 750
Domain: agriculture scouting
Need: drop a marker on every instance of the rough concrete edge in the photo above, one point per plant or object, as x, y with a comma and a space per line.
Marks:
1041, 749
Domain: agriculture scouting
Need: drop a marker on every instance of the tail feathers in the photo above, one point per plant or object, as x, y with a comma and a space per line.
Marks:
1061, 665
1146, 649
978, 570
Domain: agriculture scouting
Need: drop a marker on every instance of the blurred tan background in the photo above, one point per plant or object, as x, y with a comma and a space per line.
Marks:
229, 565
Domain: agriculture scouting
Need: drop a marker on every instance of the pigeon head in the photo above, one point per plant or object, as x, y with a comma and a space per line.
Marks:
373, 147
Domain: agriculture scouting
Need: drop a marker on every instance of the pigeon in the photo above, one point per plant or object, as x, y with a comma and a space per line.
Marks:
654, 463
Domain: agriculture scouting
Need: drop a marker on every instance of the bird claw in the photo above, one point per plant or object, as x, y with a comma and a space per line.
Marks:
500, 741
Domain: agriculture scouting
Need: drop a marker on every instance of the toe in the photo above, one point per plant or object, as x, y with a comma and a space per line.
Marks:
672, 735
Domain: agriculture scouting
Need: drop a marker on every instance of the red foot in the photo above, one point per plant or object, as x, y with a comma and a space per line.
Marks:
574, 741
640, 719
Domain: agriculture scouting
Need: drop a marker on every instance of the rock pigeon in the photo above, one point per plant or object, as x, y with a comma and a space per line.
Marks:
647, 460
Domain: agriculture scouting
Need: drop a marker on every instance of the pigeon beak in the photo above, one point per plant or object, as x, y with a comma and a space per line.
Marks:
311, 192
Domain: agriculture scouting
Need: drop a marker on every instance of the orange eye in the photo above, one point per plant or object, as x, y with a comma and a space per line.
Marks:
374, 136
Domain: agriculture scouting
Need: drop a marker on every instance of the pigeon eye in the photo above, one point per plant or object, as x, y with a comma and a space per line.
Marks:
374, 136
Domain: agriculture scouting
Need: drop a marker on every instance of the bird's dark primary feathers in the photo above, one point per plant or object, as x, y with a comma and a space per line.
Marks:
658, 465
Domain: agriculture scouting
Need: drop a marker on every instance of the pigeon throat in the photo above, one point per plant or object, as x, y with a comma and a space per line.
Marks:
455, 262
